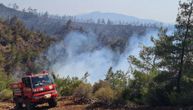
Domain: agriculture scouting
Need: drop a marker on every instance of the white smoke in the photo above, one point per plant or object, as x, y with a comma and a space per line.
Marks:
79, 53
135, 43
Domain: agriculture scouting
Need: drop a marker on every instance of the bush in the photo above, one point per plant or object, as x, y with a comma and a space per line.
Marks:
99, 85
157, 96
5, 81
137, 88
83, 90
5, 91
181, 99
83, 93
6, 94
66, 86
160, 89
105, 95
185, 96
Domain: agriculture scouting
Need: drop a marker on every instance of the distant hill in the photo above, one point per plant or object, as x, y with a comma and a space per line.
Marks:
116, 18
32, 20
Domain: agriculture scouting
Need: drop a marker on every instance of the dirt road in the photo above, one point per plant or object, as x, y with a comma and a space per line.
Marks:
62, 105
67, 104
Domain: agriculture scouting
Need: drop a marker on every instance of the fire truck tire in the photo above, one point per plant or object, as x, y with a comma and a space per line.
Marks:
52, 102
30, 106
18, 106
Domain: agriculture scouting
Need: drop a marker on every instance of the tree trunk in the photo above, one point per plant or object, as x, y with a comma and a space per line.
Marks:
183, 49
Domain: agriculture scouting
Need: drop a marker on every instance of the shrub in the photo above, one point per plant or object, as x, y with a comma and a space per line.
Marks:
159, 90
157, 96
6, 94
83, 93
181, 99
99, 85
105, 95
5, 91
117, 80
5, 81
66, 86
83, 90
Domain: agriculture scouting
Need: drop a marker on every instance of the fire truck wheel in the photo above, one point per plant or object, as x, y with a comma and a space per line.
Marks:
52, 102
30, 106
18, 106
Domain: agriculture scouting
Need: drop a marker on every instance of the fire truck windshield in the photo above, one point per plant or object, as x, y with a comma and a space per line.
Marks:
41, 81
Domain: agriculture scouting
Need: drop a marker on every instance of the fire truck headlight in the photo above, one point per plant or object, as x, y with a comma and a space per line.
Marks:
50, 87
34, 90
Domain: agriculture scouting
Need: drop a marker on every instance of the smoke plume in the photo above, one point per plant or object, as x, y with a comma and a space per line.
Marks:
79, 53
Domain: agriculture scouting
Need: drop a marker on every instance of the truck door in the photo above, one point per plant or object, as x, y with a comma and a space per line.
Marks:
27, 89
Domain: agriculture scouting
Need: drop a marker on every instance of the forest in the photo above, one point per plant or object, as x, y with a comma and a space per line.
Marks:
161, 76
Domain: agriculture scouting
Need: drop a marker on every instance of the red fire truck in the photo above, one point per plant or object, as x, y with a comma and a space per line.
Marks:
34, 89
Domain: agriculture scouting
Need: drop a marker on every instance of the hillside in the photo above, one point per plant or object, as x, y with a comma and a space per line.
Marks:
32, 20
20, 47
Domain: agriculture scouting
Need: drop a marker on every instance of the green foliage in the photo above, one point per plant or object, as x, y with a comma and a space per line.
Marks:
66, 86
147, 59
163, 92
117, 80
163, 73
5, 81
6, 94
19, 47
181, 99
138, 87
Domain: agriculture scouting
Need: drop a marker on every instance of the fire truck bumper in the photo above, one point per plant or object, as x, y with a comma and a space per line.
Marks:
44, 97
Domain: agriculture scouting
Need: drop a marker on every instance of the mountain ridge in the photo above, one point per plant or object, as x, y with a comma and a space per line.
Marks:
116, 17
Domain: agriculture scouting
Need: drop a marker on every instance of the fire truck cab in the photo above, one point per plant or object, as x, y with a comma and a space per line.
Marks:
34, 89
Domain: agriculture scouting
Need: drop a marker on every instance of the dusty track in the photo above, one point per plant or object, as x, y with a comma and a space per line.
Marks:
64, 104
68, 104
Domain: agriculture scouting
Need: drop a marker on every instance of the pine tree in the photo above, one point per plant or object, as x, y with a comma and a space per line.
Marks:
184, 36
171, 54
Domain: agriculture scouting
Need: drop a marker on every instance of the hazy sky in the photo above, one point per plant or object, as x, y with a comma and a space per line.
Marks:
162, 10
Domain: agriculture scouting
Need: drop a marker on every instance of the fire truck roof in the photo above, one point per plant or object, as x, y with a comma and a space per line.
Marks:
29, 74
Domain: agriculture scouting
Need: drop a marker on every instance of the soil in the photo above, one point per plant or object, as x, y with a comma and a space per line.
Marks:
68, 104
64, 104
